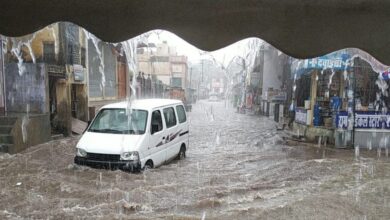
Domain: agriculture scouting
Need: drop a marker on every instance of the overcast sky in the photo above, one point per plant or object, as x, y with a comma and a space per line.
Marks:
194, 54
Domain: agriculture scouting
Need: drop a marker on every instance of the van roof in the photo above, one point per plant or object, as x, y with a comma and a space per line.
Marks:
145, 104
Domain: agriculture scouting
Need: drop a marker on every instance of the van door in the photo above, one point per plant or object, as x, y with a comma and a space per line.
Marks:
157, 146
173, 132
182, 128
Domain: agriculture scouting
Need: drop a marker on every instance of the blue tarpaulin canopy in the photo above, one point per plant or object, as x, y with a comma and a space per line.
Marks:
338, 61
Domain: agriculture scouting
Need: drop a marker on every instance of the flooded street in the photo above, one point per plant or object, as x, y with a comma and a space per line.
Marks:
237, 167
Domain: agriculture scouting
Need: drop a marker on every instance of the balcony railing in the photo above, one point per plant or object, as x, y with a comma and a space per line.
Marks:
56, 71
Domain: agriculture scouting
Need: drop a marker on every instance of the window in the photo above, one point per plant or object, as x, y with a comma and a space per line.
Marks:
157, 121
181, 114
118, 121
48, 52
83, 57
73, 56
176, 82
170, 117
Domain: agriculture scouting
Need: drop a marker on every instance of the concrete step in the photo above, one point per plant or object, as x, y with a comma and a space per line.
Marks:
57, 136
5, 129
6, 139
5, 148
8, 120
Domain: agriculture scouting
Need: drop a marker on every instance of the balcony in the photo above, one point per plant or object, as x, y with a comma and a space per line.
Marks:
56, 71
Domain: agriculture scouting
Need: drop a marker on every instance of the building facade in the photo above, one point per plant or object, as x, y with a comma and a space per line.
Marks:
45, 85
160, 68
108, 75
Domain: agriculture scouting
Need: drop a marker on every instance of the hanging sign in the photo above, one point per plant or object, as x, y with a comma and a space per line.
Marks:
78, 72
301, 115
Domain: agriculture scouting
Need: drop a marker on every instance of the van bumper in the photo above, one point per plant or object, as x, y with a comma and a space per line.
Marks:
123, 165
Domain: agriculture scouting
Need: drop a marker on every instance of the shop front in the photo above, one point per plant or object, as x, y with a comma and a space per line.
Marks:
320, 93
346, 102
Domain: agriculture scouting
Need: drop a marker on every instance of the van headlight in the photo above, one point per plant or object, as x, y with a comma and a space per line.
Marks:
133, 155
81, 152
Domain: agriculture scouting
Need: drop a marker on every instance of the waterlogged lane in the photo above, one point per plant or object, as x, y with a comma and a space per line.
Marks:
238, 167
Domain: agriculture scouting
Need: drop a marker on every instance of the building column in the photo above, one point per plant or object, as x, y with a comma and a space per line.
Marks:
313, 95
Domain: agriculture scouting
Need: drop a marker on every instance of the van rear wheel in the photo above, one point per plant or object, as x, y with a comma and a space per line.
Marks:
182, 153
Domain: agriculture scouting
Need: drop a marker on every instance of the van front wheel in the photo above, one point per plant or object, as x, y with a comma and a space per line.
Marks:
148, 165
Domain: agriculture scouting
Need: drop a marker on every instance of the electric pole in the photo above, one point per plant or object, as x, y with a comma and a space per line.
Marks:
190, 90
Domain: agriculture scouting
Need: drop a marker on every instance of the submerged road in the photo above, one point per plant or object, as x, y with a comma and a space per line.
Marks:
237, 167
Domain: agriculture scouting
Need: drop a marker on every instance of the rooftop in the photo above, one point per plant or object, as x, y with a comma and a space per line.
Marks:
144, 103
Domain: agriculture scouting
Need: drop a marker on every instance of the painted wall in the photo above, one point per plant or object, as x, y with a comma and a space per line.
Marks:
27, 92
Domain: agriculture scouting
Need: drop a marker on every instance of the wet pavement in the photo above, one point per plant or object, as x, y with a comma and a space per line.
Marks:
237, 167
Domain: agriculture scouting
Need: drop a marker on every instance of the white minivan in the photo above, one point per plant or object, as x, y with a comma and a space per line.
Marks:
143, 134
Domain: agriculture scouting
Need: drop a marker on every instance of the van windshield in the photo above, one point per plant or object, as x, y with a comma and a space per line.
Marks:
116, 121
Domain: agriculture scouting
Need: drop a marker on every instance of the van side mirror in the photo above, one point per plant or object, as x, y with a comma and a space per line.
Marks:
86, 127
154, 128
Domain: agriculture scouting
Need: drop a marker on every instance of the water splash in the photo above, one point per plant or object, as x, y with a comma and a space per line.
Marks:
17, 50
204, 215
379, 152
319, 141
357, 151
217, 139
25, 121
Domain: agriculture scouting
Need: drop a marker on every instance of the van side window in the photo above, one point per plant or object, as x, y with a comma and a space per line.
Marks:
156, 121
170, 117
181, 114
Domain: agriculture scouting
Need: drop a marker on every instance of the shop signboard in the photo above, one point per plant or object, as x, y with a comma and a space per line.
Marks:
78, 72
301, 115
342, 120
335, 61
364, 120
373, 120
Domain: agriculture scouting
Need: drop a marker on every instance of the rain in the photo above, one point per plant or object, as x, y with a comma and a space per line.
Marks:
269, 136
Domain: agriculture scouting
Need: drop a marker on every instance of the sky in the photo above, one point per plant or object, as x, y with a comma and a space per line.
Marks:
223, 55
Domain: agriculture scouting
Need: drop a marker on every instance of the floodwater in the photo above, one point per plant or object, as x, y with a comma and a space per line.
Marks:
237, 167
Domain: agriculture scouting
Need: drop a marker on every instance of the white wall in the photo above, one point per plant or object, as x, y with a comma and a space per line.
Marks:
273, 71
